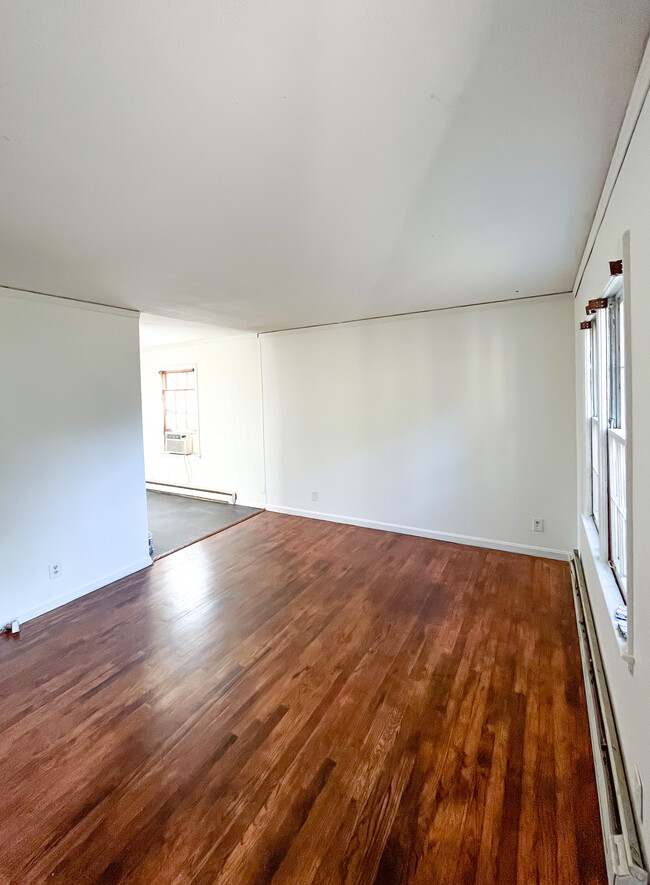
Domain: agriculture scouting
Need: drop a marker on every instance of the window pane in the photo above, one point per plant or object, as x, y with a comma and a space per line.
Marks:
594, 369
180, 400
618, 509
615, 364
621, 362
595, 484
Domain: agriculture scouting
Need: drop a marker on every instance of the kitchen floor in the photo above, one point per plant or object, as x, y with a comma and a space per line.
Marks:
176, 521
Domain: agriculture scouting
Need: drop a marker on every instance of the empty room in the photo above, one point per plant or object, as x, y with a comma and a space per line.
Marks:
324, 442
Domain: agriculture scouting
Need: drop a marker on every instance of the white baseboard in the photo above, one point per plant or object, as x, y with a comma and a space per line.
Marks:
69, 595
507, 546
188, 492
202, 494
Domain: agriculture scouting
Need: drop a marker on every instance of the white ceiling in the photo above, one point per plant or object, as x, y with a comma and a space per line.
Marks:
287, 162
158, 331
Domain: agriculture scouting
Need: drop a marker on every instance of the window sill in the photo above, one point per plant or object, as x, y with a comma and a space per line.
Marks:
608, 585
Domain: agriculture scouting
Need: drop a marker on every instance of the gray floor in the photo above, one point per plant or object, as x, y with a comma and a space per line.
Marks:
175, 521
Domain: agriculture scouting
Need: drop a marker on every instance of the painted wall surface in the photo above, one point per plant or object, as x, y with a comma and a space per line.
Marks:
456, 423
230, 417
629, 209
71, 465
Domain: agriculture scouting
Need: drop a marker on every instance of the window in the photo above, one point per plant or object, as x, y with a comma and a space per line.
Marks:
606, 425
616, 439
180, 402
593, 428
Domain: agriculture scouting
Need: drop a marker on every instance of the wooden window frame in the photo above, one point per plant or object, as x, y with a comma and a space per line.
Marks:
188, 391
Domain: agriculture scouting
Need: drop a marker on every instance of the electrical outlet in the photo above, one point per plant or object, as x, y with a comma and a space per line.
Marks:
638, 794
538, 524
55, 570
314, 496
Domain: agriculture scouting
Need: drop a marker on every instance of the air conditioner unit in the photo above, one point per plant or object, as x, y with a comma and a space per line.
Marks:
178, 443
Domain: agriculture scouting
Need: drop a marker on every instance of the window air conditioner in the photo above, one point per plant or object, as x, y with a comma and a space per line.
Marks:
178, 443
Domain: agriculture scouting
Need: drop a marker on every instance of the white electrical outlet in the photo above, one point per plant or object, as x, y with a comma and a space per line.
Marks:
314, 496
538, 524
55, 570
638, 794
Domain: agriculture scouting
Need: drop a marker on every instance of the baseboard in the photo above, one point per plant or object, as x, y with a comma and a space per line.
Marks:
201, 494
620, 836
190, 492
507, 546
60, 599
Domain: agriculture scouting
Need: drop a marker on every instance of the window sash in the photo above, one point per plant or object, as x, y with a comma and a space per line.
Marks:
180, 401
594, 431
616, 469
616, 449
606, 437
594, 425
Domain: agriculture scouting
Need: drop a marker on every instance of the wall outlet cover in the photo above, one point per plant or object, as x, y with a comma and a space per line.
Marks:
538, 524
55, 570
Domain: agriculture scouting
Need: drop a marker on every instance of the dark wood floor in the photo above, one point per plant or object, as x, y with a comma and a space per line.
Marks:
303, 702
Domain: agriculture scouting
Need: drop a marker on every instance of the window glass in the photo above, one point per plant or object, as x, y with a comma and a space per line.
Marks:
180, 402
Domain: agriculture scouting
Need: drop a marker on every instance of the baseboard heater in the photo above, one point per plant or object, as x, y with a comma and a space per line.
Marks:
204, 494
622, 849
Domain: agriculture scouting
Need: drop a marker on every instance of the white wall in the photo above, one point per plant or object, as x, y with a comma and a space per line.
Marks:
629, 209
458, 422
230, 417
71, 463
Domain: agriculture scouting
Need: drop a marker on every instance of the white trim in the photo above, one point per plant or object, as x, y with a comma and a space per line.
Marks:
314, 327
632, 114
603, 426
609, 588
629, 460
507, 546
75, 593
64, 301
189, 492
618, 435
613, 287
202, 494
589, 380
620, 836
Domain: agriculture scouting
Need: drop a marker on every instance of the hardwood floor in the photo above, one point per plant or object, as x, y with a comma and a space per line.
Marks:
303, 702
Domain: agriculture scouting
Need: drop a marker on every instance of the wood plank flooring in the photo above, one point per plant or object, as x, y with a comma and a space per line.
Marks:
297, 701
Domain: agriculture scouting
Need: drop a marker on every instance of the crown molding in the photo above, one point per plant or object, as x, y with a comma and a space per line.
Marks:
632, 114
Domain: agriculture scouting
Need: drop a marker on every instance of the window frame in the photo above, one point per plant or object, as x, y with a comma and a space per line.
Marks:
593, 411
616, 438
594, 544
606, 405
194, 433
